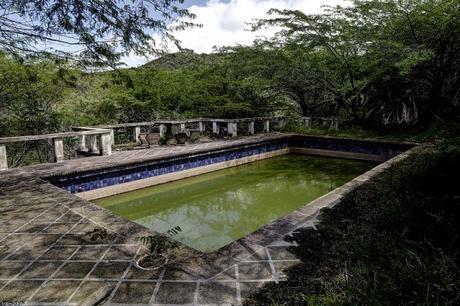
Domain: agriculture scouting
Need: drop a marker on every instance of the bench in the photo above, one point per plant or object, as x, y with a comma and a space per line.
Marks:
149, 139
181, 137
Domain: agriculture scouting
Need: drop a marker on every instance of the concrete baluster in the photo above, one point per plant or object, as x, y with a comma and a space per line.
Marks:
112, 136
182, 127
58, 144
335, 124
105, 143
267, 126
232, 129
201, 126
3, 158
92, 144
82, 144
281, 123
215, 128
137, 132
251, 128
163, 130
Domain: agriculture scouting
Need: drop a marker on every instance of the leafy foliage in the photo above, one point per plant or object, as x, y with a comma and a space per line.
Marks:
381, 62
148, 93
158, 244
99, 32
373, 64
29, 95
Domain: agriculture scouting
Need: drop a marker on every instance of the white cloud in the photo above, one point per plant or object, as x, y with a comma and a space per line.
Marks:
226, 23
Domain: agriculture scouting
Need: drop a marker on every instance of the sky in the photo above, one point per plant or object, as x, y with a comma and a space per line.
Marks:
224, 22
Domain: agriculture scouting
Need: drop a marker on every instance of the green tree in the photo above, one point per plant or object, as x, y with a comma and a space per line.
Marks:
99, 32
29, 93
287, 76
206, 87
383, 61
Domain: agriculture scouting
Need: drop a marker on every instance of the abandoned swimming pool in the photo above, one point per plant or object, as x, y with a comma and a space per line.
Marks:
215, 200
209, 211
53, 226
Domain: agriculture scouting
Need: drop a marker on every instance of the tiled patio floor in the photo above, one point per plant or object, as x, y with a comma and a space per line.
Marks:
46, 258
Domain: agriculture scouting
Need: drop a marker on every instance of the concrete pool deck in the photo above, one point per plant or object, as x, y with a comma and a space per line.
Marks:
48, 257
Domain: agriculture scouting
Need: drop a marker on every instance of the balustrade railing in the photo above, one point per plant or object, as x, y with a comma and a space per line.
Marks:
100, 139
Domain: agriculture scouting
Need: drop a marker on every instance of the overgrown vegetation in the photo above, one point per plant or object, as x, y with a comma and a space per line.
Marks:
392, 241
164, 251
437, 131
158, 244
373, 64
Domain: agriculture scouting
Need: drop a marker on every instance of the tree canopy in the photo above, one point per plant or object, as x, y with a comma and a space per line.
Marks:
381, 61
92, 32
374, 63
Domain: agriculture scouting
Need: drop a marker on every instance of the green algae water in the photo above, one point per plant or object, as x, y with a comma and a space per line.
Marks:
211, 210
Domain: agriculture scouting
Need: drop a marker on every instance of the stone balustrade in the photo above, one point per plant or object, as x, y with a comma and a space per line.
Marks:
94, 140
165, 126
99, 139
330, 122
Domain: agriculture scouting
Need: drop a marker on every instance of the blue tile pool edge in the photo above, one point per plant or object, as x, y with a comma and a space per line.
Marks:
102, 178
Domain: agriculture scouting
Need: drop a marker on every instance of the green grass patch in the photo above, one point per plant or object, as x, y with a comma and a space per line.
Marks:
435, 132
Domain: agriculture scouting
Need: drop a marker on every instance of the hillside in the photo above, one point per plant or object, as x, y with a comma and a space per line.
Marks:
182, 60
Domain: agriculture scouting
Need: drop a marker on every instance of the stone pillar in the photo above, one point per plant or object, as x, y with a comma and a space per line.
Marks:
229, 128
232, 129
215, 128
137, 132
112, 136
58, 144
105, 143
251, 128
281, 123
91, 142
335, 124
182, 127
3, 158
307, 121
235, 129
82, 144
163, 130
201, 126
267, 126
